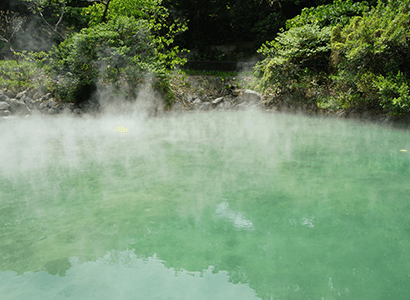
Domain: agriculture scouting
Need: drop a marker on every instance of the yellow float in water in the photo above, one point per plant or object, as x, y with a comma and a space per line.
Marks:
403, 150
122, 129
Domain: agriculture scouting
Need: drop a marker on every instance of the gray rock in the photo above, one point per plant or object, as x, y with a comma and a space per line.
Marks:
249, 96
76, 111
4, 106
19, 107
52, 111
46, 97
190, 97
65, 108
5, 113
10, 94
38, 95
4, 98
236, 93
218, 100
206, 106
37, 103
52, 103
31, 93
197, 103
241, 106
29, 102
43, 105
20, 95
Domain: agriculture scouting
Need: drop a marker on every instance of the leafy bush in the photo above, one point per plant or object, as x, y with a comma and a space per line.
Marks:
162, 28
394, 92
339, 12
296, 53
19, 76
375, 47
120, 52
297, 61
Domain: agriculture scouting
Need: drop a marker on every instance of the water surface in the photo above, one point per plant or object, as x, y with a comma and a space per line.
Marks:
244, 205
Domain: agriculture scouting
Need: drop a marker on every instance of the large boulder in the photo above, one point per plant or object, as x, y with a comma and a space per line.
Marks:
4, 113
4, 97
249, 97
10, 94
18, 107
4, 105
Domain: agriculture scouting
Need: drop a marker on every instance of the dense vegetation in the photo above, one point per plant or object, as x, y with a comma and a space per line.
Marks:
343, 55
328, 54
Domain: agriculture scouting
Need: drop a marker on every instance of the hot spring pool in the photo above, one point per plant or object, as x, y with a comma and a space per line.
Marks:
243, 205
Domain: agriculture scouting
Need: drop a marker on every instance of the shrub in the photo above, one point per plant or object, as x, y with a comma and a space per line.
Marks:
296, 53
298, 60
120, 52
18, 76
339, 12
372, 54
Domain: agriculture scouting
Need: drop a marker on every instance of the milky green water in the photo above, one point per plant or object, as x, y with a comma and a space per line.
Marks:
242, 205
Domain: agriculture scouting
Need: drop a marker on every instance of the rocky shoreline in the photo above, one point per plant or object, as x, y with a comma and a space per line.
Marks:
192, 97
37, 102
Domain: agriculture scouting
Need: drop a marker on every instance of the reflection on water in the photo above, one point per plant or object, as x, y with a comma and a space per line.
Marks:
121, 275
204, 206
237, 219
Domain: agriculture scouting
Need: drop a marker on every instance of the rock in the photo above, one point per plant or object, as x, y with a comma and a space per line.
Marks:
29, 102
65, 108
5, 113
190, 97
10, 94
38, 95
224, 105
43, 105
52, 111
31, 93
77, 111
236, 93
197, 103
20, 95
241, 106
218, 100
46, 97
52, 103
4, 98
19, 107
250, 97
206, 106
4, 106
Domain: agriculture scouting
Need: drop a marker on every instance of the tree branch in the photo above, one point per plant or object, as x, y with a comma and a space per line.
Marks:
104, 16
61, 17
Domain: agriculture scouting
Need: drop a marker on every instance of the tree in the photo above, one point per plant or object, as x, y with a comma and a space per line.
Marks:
10, 24
38, 7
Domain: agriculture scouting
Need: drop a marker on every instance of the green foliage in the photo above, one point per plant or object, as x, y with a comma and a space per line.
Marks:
120, 53
19, 76
365, 57
296, 53
162, 28
372, 54
339, 12
139, 9
394, 92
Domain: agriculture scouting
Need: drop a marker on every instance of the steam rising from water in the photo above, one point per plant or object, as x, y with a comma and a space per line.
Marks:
286, 204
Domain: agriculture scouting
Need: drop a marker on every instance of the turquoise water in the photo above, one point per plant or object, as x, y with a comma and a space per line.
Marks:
244, 205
